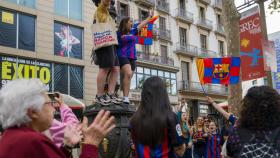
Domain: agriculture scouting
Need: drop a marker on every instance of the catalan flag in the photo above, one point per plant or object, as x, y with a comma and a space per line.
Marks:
219, 70
145, 36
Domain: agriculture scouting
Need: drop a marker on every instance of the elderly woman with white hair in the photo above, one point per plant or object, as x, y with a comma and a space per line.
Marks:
26, 111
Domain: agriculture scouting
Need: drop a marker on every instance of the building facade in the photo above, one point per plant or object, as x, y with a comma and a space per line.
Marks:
51, 40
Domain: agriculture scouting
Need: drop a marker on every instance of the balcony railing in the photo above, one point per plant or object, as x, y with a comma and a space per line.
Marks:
155, 59
207, 53
184, 15
205, 1
192, 86
218, 4
164, 34
220, 29
149, 3
187, 49
163, 6
205, 23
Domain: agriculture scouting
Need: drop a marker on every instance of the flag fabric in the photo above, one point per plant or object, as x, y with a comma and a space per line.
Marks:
219, 70
145, 36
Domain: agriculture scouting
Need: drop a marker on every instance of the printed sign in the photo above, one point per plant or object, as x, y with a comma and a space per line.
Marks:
7, 17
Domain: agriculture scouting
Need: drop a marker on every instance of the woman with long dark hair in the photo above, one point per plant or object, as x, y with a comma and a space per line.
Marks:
258, 128
127, 50
154, 127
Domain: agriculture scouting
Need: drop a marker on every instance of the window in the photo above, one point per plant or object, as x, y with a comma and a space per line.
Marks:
254, 82
219, 19
201, 13
221, 48
185, 71
68, 79
68, 40
18, 30
164, 54
143, 14
182, 5
27, 3
146, 49
183, 36
71, 9
162, 23
123, 9
142, 73
203, 41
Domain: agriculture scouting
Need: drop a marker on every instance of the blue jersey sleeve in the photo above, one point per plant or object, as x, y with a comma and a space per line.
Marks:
134, 29
176, 133
232, 119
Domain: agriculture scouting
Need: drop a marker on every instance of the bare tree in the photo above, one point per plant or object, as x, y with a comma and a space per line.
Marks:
231, 19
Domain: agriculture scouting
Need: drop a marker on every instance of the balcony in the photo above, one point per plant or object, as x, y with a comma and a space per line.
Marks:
220, 30
218, 5
191, 86
205, 24
164, 34
207, 53
147, 3
163, 6
156, 59
187, 50
205, 2
184, 16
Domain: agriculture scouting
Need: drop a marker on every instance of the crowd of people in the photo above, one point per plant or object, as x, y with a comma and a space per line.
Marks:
30, 130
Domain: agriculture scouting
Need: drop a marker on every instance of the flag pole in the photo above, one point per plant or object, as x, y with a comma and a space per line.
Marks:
204, 92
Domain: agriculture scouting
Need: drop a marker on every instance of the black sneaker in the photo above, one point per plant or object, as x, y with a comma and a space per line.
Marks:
101, 100
115, 99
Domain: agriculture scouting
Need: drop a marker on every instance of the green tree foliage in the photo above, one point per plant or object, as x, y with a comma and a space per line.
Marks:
274, 5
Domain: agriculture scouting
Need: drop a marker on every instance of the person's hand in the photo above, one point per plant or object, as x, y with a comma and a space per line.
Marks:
189, 146
72, 134
151, 13
99, 128
59, 99
210, 100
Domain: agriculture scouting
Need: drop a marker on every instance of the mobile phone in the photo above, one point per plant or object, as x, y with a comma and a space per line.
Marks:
53, 95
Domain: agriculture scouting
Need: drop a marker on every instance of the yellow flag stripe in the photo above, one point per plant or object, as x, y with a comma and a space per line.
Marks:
200, 69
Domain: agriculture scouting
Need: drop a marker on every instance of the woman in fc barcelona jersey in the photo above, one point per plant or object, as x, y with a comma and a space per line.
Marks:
155, 129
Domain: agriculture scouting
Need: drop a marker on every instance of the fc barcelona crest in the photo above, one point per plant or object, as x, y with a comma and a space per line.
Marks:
221, 71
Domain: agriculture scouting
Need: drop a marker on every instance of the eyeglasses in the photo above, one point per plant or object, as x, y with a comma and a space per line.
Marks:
50, 103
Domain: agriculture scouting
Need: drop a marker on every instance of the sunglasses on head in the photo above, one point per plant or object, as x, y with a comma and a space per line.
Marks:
53, 95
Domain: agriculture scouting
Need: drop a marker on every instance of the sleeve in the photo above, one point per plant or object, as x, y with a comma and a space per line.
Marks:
67, 115
232, 119
89, 151
57, 128
175, 133
134, 29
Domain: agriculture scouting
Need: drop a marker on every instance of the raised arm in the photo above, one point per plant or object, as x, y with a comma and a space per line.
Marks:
218, 108
146, 21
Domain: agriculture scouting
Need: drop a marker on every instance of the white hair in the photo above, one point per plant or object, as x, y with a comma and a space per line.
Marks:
16, 97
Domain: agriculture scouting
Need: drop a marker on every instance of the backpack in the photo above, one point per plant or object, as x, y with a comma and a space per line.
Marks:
255, 149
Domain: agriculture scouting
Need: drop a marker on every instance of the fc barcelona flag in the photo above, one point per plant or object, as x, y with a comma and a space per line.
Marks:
218, 70
145, 36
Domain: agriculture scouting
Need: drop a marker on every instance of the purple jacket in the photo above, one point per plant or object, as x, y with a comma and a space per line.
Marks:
57, 128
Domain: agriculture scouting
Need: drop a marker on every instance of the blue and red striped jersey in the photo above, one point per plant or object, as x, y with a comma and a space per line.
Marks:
213, 146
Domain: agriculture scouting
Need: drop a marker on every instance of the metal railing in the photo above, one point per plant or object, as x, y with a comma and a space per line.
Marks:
163, 6
183, 14
192, 86
164, 34
205, 1
187, 49
218, 4
205, 22
155, 58
149, 2
207, 53
220, 28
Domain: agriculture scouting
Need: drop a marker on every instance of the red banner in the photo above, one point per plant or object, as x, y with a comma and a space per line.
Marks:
251, 53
